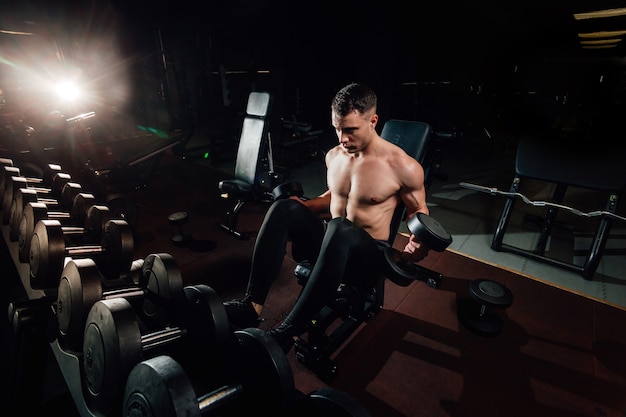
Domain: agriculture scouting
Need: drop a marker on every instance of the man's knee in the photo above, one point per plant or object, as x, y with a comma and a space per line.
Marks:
284, 214
341, 229
283, 207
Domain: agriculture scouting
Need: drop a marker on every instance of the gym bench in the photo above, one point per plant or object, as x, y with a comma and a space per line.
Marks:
571, 164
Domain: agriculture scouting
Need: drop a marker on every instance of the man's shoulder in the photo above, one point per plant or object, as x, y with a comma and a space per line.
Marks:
395, 150
334, 151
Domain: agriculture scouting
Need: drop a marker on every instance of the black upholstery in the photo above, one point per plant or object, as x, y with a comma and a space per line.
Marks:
587, 166
253, 172
352, 307
412, 136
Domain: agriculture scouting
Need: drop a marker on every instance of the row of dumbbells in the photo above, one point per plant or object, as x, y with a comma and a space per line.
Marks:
50, 217
150, 344
125, 317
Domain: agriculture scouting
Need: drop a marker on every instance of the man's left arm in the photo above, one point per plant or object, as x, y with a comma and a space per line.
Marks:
414, 198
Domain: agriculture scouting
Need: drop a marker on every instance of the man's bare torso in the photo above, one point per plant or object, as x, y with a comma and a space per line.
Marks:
364, 186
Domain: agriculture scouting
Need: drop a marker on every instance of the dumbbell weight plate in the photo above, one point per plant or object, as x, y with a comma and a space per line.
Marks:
329, 402
159, 387
260, 365
80, 285
429, 231
116, 339
402, 273
7, 162
206, 320
483, 322
476, 313
5, 173
122, 207
287, 189
161, 276
111, 347
491, 293
81, 204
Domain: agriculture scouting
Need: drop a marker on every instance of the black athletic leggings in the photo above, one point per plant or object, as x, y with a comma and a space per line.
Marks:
344, 253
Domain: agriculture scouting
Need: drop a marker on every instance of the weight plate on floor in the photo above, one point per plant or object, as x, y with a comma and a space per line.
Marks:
491, 293
481, 322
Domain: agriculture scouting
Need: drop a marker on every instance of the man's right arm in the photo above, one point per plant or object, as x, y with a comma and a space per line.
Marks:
319, 204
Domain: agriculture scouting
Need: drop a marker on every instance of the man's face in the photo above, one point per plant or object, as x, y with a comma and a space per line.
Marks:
355, 130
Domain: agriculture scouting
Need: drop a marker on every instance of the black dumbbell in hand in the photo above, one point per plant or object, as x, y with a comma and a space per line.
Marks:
287, 189
431, 234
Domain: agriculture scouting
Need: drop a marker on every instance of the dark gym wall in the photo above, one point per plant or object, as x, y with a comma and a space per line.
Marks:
442, 62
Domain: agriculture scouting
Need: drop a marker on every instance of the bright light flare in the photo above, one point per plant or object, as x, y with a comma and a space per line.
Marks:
67, 91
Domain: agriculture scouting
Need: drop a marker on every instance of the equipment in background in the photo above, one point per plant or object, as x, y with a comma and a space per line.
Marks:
254, 168
595, 170
178, 219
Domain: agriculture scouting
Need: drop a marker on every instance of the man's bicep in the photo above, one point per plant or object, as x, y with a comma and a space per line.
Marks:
414, 196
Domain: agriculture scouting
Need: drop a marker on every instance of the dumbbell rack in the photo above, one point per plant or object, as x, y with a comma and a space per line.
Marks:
69, 363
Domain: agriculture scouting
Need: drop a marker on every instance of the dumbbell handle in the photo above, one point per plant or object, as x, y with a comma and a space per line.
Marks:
161, 337
15, 172
215, 399
84, 250
72, 230
483, 310
32, 180
31, 184
128, 292
35, 197
59, 215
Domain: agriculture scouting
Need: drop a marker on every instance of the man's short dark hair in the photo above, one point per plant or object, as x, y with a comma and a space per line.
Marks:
352, 97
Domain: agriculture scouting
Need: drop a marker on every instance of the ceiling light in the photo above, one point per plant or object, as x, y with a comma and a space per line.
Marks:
600, 14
